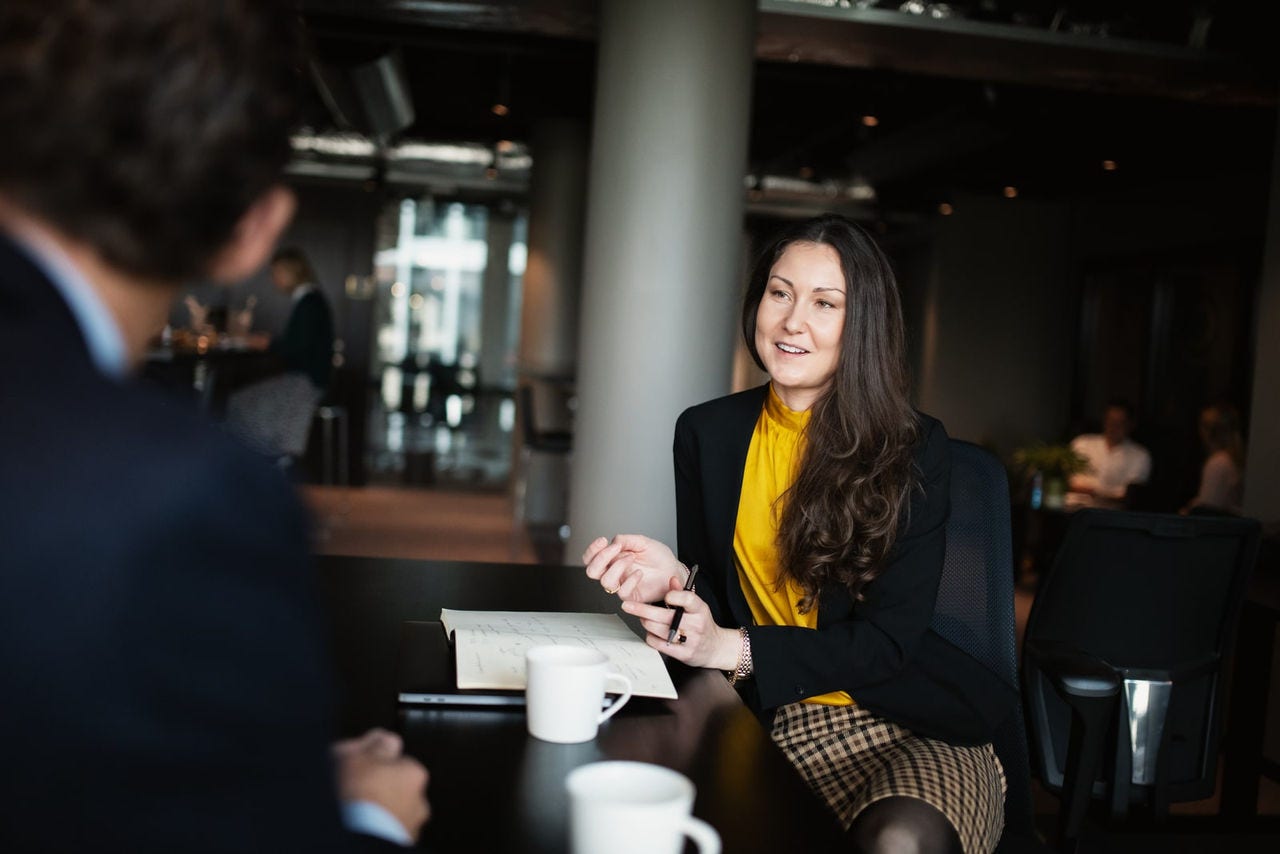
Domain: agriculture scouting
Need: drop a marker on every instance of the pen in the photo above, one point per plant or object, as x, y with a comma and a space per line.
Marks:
675, 621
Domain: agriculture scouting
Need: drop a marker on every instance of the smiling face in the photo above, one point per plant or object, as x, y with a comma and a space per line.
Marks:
800, 322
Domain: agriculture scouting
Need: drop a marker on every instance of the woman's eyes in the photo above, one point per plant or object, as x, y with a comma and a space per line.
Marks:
780, 294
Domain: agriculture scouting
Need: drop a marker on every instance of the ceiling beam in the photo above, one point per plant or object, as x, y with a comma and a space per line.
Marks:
887, 40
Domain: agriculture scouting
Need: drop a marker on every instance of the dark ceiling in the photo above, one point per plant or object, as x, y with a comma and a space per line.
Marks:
970, 104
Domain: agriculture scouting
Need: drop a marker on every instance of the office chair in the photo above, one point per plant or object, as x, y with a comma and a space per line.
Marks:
974, 610
550, 441
274, 415
1123, 655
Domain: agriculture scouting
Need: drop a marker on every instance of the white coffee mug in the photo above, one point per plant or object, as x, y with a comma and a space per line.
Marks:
634, 808
565, 691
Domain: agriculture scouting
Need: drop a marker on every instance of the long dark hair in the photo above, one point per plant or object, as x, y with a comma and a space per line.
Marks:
841, 516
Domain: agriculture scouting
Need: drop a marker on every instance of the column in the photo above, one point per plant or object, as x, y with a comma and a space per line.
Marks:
1261, 486
496, 301
553, 273
660, 273
549, 312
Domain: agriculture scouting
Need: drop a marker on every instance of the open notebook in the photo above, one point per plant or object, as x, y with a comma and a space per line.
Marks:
489, 655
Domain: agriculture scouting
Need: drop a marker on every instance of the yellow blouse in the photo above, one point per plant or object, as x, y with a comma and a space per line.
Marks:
776, 448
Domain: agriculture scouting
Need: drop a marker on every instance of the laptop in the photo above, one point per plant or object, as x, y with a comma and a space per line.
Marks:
427, 674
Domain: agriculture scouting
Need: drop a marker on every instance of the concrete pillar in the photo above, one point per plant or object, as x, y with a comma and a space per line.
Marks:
496, 302
549, 312
553, 273
660, 271
1261, 485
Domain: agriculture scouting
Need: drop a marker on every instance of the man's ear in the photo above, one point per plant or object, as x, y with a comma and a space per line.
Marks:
254, 237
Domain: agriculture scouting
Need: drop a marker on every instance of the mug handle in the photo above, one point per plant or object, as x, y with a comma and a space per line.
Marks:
618, 703
703, 835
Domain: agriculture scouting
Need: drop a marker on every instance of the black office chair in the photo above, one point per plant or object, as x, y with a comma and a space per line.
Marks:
974, 610
1123, 654
535, 439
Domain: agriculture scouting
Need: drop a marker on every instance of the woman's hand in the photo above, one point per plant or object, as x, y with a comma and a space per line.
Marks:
699, 641
634, 567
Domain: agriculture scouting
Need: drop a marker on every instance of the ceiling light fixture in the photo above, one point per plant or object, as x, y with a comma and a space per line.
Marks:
945, 209
1108, 166
1011, 192
870, 121
502, 106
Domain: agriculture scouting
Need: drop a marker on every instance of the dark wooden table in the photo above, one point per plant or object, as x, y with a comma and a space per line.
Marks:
496, 789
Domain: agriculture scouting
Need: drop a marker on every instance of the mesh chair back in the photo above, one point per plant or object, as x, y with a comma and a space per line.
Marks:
1156, 597
974, 609
274, 415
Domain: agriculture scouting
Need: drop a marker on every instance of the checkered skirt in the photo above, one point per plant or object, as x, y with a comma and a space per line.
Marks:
852, 758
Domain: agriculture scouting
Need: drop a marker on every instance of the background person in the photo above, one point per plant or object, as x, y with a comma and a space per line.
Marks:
306, 344
1222, 477
161, 655
815, 508
1115, 460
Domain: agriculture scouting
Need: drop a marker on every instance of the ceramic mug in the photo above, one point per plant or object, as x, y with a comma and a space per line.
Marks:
634, 808
565, 692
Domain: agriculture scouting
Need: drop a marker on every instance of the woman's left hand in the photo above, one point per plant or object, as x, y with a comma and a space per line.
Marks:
704, 644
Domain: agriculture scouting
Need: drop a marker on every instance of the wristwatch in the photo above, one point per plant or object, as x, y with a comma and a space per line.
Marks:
745, 664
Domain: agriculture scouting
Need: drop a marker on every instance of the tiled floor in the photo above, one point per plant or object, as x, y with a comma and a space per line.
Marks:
481, 526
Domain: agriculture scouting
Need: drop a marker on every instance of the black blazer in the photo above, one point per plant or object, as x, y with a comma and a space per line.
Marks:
881, 650
306, 344
164, 679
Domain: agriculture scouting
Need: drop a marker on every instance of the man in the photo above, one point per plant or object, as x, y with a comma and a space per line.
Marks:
1114, 460
162, 671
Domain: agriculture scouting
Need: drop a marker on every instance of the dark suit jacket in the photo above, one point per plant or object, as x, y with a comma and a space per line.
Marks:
880, 650
306, 344
163, 679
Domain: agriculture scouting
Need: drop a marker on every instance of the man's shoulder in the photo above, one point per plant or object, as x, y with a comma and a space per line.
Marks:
127, 444
1136, 448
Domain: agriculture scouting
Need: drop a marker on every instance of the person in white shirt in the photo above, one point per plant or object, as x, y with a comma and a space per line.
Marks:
1114, 461
1222, 478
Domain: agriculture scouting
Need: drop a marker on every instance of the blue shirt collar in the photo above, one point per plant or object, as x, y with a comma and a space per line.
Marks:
101, 334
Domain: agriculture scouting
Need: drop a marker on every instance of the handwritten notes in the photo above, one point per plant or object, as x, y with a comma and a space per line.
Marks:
490, 647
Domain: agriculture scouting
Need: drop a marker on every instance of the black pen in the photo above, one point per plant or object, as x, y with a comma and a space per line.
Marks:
675, 621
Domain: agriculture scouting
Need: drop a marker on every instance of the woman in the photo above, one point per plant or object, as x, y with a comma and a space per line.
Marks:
306, 344
1221, 479
815, 508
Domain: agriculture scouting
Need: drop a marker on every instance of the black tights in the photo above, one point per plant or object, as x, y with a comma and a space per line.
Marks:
903, 825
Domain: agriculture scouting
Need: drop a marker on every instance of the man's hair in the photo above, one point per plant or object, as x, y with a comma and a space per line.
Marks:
146, 128
1123, 405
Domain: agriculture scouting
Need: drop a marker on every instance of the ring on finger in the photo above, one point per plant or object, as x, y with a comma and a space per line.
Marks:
682, 637
611, 592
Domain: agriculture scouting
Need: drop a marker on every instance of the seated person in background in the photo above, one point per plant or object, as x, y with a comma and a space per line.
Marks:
816, 507
162, 659
306, 344
1222, 478
1115, 461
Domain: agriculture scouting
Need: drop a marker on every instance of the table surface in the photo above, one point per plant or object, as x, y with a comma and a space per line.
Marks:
493, 787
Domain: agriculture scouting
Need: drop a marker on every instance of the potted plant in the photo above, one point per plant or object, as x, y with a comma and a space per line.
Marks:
1049, 467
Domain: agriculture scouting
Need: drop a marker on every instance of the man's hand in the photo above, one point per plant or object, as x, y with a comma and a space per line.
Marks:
374, 768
